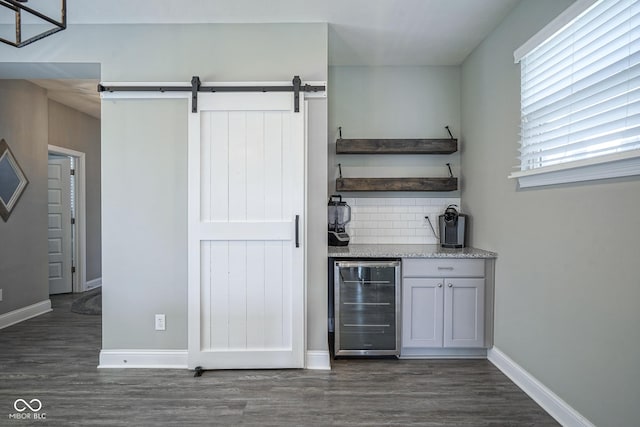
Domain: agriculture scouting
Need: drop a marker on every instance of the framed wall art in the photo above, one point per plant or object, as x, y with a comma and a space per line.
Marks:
12, 181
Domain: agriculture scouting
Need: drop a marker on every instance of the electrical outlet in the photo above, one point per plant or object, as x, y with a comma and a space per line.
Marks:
0, 294
160, 322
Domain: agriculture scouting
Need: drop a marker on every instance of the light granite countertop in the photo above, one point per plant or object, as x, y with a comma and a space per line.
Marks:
406, 251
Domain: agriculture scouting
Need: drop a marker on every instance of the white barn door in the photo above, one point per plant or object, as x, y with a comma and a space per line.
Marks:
246, 223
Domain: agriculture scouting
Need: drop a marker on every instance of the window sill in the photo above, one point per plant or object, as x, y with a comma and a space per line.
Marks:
611, 166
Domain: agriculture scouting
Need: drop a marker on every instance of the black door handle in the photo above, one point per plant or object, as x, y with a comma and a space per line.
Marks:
297, 231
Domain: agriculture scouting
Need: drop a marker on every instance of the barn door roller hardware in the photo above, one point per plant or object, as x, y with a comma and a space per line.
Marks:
196, 86
18, 6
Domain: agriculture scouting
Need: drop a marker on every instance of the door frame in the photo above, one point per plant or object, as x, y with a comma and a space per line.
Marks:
80, 276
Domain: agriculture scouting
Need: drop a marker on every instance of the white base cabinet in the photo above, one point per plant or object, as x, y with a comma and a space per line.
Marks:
444, 306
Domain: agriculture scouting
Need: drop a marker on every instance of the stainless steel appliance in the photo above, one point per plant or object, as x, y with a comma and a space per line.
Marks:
339, 215
367, 308
453, 228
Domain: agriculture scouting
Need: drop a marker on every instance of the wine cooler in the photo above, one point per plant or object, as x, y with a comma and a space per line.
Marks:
367, 308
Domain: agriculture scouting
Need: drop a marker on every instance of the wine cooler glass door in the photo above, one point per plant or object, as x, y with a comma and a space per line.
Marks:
367, 310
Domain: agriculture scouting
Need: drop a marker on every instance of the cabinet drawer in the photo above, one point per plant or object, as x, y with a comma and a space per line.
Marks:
442, 267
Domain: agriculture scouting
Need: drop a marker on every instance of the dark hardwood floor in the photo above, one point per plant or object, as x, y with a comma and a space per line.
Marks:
53, 358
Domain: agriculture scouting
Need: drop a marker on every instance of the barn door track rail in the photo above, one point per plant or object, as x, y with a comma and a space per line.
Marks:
296, 87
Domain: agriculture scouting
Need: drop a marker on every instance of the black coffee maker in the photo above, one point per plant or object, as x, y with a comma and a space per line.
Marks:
339, 215
453, 228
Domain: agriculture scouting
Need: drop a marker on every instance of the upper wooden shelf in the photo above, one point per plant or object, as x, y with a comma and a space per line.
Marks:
396, 146
397, 184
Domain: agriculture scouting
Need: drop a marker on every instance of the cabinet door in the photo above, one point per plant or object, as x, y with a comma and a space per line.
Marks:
464, 313
422, 301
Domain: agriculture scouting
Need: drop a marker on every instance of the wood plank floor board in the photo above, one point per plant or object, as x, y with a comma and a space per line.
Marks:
53, 358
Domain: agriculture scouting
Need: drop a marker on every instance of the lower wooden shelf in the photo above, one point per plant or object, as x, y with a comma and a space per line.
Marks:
396, 184
396, 146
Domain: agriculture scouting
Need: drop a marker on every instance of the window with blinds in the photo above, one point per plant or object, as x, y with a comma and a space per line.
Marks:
580, 88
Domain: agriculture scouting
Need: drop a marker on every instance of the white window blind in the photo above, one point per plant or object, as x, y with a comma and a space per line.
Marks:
580, 88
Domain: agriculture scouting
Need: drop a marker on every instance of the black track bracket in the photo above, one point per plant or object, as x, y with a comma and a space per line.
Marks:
199, 372
296, 94
195, 88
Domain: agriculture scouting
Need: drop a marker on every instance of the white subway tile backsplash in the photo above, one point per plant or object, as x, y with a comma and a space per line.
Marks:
366, 202
395, 220
366, 224
369, 209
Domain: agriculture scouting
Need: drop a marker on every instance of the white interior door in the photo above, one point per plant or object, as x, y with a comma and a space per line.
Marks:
246, 216
59, 230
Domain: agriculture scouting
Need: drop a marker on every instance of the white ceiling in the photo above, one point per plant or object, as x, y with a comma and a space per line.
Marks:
361, 32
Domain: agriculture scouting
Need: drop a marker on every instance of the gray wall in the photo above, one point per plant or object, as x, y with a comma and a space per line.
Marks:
393, 102
23, 238
567, 275
144, 222
72, 129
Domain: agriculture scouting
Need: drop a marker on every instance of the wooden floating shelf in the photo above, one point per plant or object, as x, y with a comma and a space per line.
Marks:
396, 184
396, 146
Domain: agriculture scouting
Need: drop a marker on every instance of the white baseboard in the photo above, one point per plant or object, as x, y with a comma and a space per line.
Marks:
318, 359
154, 359
177, 359
548, 400
93, 283
24, 313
